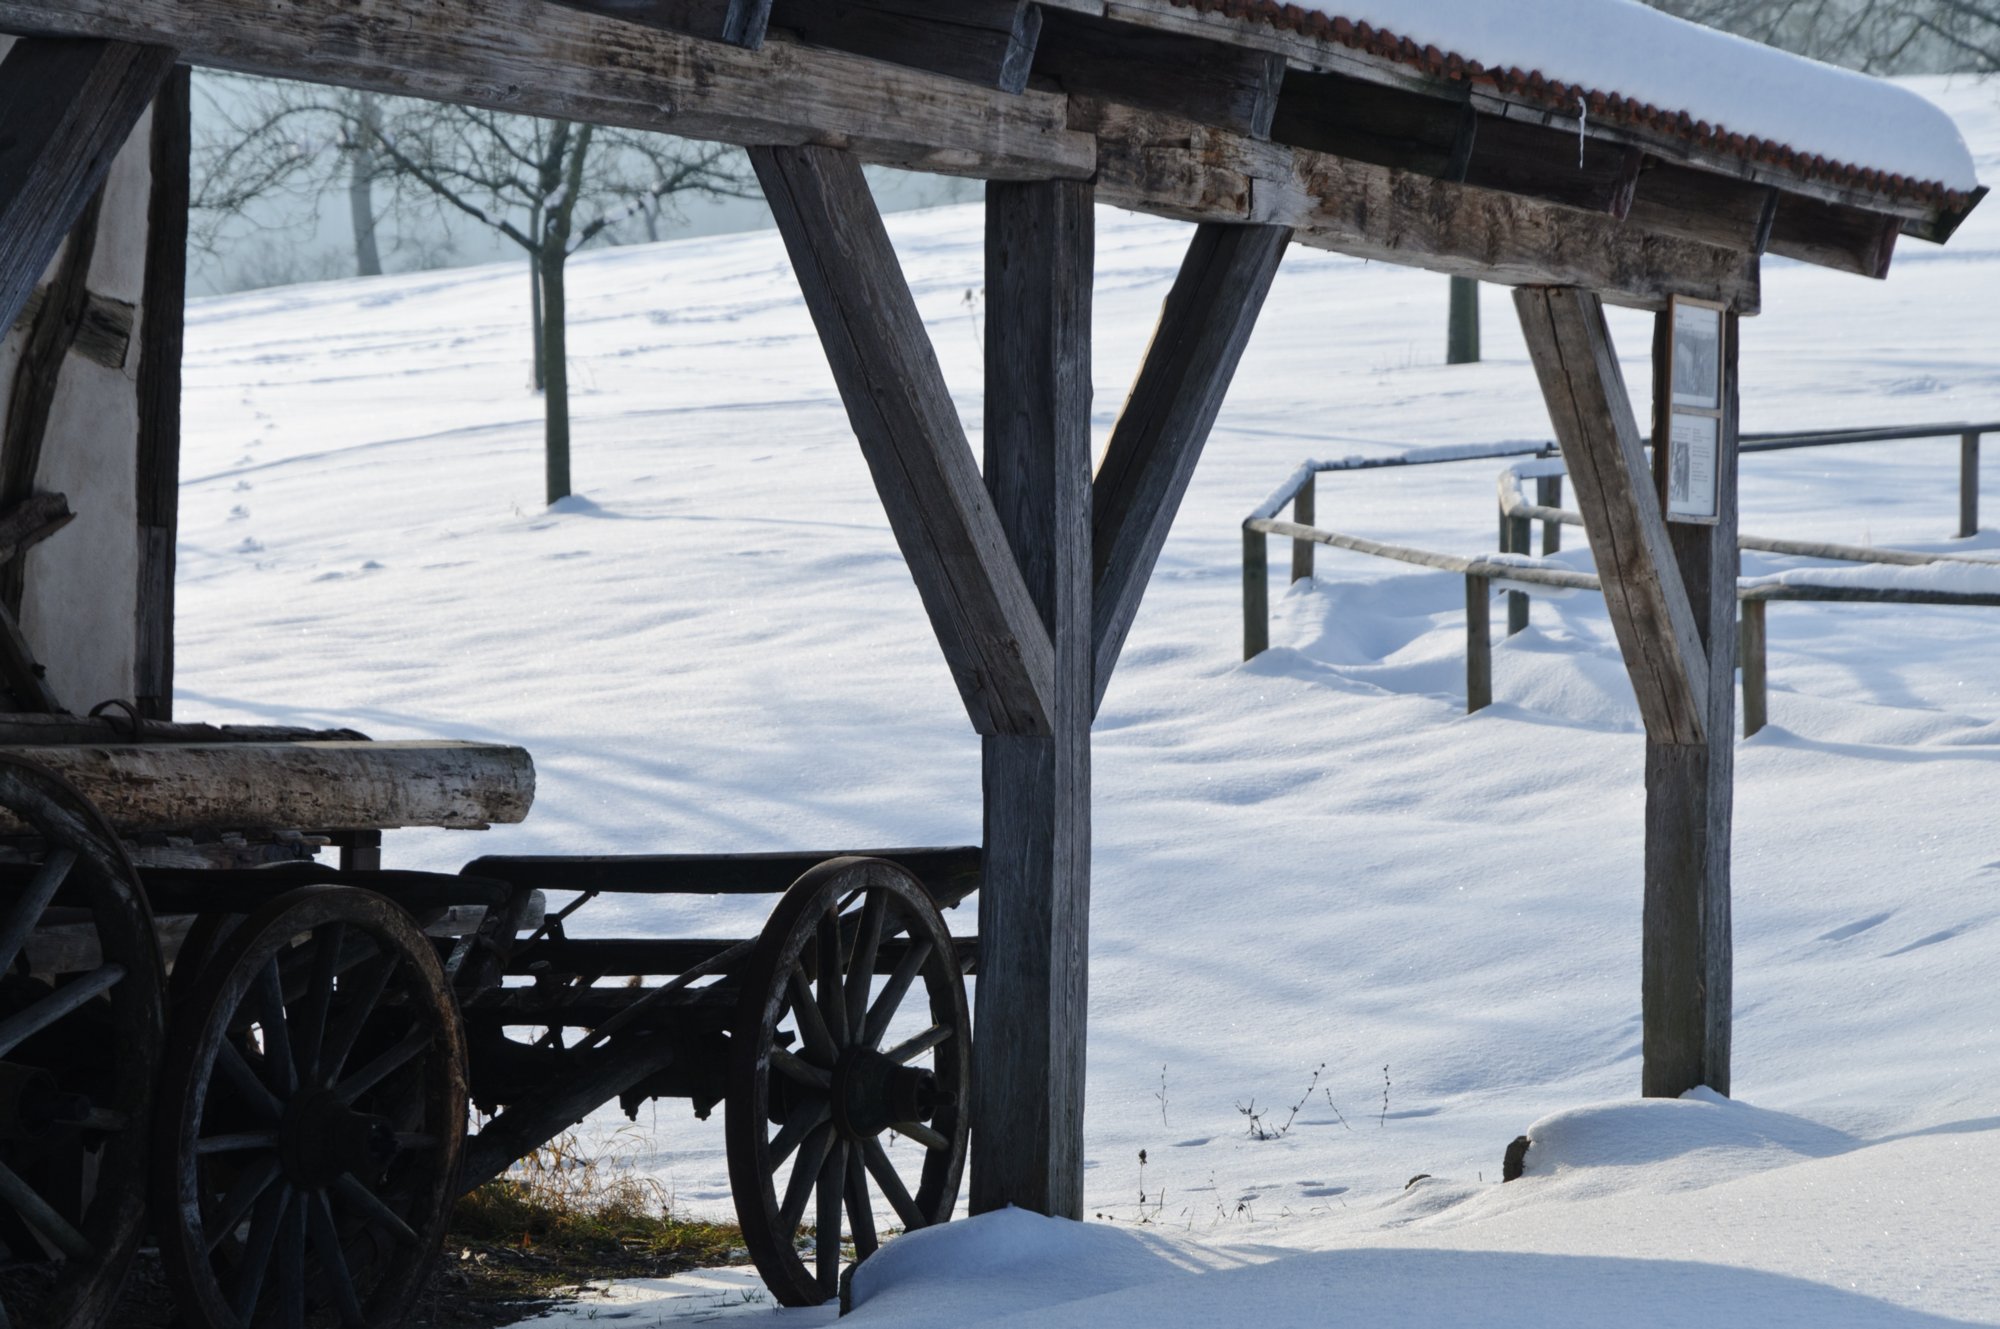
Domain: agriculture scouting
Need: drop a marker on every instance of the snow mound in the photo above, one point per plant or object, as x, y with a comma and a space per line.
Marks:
1697, 1139
1006, 1262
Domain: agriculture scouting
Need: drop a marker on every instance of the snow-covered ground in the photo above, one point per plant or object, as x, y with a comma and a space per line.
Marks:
1314, 859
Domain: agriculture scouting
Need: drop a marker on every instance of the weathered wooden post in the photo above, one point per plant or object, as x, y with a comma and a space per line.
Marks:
1303, 504
1671, 596
1034, 908
1756, 685
1478, 644
1968, 485
1517, 601
1256, 595
1690, 787
1549, 493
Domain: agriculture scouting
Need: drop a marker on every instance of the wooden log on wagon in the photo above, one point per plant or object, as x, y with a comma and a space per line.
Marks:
30, 728
325, 786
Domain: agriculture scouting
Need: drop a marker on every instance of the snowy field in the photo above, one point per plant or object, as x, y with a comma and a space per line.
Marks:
1315, 859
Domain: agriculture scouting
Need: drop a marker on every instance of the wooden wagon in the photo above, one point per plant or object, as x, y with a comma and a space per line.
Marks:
1266, 124
266, 1062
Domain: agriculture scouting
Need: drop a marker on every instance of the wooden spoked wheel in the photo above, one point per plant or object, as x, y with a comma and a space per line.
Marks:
81, 1023
846, 1083
311, 1116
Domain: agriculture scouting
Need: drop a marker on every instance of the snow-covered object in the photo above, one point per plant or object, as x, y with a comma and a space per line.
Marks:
1737, 86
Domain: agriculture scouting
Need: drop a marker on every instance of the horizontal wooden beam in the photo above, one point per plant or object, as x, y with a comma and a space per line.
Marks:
944, 519
66, 108
1606, 458
333, 786
738, 22
1162, 164
535, 58
989, 42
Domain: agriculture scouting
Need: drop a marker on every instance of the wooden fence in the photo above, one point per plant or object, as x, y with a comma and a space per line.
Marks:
1516, 566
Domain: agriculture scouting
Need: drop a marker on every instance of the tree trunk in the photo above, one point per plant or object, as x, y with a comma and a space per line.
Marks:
538, 377
1462, 341
361, 188
555, 374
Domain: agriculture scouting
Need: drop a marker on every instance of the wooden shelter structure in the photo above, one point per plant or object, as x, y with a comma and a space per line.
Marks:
1266, 125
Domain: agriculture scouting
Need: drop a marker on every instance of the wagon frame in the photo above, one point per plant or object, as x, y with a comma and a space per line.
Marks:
298, 1043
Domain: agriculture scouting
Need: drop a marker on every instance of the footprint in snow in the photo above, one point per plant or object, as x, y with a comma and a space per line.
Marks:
1856, 928
238, 513
249, 546
1931, 940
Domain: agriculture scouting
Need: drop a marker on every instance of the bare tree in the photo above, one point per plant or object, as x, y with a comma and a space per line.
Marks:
548, 186
1880, 36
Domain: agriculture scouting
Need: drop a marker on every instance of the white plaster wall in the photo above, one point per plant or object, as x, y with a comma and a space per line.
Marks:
79, 611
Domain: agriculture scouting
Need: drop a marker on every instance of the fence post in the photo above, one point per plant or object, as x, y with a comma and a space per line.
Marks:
1517, 601
1754, 688
1549, 493
1302, 513
1256, 595
1478, 645
1968, 485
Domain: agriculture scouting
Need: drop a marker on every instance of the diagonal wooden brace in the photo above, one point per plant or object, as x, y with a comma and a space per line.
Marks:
66, 108
1203, 329
993, 636
1606, 459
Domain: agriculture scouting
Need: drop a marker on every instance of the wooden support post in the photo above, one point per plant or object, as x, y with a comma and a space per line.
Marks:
1478, 644
1204, 326
161, 330
1517, 601
990, 628
67, 108
1671, 595
1034, 908
1303, 504
1968, 486
1687, 970
1256, 595
1756, 687
1549, 493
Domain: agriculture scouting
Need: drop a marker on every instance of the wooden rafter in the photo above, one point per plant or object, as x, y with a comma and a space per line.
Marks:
988, 42
67, 107
1204, 326
993, 636
1605, 456
1230, 88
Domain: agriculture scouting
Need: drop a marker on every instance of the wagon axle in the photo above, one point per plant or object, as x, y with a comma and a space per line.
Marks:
32, 1104
872, 1092
321, 1138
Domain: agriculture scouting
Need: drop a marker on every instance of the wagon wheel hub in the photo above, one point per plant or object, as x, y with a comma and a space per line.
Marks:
321, 1138
872, 1092
32, 1104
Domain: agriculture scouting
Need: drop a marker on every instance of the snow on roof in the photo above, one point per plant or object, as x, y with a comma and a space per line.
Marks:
1629, 63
